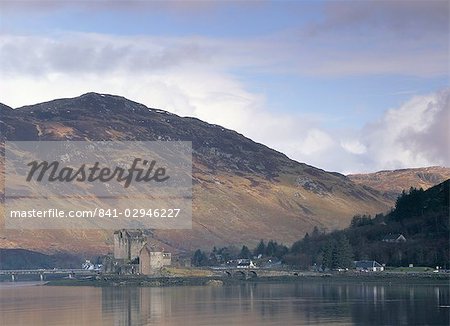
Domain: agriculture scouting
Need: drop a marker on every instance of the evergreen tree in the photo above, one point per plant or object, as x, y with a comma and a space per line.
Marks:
359, 220
297, 247
228, 253
260, 249
315, 232
335, 257
306, 237
199, 258
245, 253
280, 251
327, 255
343, 253
271, 248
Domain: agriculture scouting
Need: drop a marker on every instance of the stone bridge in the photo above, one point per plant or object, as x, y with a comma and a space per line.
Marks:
249, 273
241, 273
15, 274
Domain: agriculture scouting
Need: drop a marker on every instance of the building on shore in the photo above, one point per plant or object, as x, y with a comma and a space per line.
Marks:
368, 266
394, 238
128, 243
151, 260
133, 254
245, 263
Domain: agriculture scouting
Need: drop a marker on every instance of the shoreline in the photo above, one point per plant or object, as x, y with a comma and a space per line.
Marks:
168, 281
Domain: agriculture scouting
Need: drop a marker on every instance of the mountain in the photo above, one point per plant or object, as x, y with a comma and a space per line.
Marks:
242, 191
393, 182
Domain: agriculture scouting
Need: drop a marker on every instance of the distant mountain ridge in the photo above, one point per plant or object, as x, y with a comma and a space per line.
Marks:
393, 182
242, 191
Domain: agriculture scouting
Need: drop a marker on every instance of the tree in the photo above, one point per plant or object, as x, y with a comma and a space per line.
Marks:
315, 232
300, 245
409, 205
271, 248
245, 253
228, 253
306, 237
280, 251
199, 258
260, 249
297, 247
342, 253
327, 255
359, 220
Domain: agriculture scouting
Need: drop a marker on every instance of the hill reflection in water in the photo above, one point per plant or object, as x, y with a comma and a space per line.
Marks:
249, 304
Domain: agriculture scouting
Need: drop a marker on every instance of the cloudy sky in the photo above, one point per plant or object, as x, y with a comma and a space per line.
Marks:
348, 86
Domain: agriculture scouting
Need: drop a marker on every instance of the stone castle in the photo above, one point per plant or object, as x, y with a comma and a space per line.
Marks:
134, 254
151, 260
128, 243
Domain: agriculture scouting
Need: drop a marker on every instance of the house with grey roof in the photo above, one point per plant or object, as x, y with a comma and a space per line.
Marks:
368, 266
394, 238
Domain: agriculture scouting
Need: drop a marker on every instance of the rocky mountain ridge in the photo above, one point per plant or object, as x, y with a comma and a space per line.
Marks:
393, 182
242, 191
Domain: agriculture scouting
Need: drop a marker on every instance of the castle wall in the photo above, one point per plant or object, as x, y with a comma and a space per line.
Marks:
120, 245
167, 259
144, 263
150, 263
127, 246
135, 247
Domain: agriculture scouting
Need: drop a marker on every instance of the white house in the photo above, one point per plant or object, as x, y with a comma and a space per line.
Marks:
368, 266
245, 263
394, 238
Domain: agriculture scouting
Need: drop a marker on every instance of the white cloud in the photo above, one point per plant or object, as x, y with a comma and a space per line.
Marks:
415, 134
316, 141
190, 77
353, 146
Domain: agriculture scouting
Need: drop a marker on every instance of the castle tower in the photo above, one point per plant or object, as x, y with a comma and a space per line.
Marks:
128, 243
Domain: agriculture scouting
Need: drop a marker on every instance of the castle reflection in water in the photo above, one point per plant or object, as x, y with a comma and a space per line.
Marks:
309, 302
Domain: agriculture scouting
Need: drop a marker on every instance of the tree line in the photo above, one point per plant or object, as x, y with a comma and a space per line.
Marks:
223, 255
421, 216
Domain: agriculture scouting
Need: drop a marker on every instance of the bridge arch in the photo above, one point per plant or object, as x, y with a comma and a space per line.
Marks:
252, 274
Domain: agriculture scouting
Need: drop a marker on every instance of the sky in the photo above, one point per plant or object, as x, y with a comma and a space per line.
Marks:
346, 86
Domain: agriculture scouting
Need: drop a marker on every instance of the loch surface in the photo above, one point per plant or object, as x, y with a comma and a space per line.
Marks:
300, 303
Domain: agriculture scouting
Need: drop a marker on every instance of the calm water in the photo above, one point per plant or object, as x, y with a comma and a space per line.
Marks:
309, 303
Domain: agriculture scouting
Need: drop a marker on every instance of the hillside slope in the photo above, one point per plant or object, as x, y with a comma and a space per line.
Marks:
422, 217
395, 181
242, 191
